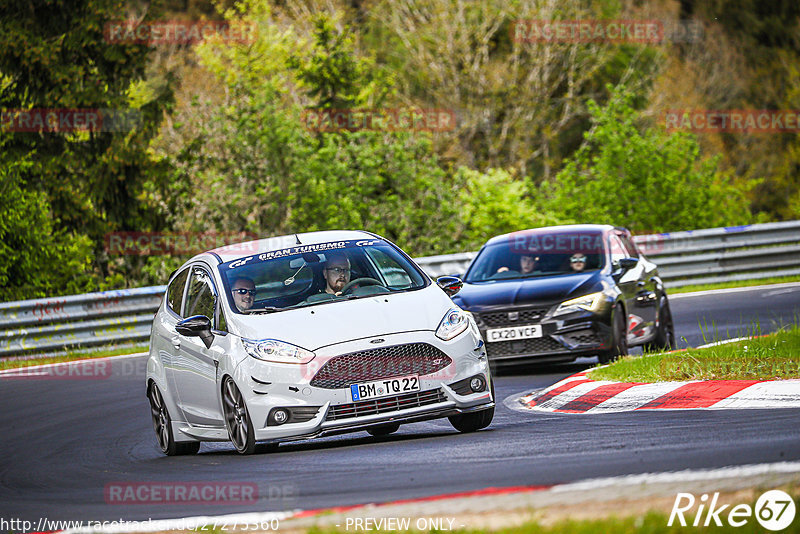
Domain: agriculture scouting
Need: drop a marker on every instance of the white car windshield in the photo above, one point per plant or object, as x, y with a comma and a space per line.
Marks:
322, 273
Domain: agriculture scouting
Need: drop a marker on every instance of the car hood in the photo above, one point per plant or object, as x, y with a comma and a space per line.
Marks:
321, 325
544, 290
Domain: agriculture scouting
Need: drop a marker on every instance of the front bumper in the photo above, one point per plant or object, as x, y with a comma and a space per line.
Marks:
564, 338
267, 386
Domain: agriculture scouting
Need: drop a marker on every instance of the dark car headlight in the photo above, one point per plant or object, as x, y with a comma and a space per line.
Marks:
592, 302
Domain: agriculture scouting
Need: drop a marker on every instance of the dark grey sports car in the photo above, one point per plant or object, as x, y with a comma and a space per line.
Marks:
553, 294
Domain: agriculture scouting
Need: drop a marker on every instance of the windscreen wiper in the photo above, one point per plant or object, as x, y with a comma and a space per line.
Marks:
267, 309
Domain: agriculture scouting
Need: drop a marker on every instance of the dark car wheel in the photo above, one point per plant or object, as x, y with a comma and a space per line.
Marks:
240, 427
162, 424
665, 334
619, 341
384, 430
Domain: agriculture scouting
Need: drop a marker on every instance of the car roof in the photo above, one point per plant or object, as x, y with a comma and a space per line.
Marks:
561, 228
235, 251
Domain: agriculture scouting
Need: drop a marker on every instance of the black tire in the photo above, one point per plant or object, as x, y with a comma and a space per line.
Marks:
384, 430
162, 424
470, 422
665, 334
619, 341
237, 418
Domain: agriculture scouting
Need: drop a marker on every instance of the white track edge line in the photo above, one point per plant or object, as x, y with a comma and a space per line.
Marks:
731, 290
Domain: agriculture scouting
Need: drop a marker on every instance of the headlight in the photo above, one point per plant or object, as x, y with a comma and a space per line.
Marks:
454, 322
272, 350
586, 303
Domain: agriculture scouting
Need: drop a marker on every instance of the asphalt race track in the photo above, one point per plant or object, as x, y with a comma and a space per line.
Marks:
64, 441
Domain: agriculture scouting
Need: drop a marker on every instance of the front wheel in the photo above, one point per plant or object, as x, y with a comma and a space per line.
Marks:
619, 337
470, 422
665, 333
162, 424
237, 419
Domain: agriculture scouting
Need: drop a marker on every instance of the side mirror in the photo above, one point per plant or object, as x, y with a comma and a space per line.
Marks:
450, 284
628, 263
196, 326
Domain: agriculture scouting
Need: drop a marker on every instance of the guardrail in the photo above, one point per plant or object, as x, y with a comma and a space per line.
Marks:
125, 316
109, 317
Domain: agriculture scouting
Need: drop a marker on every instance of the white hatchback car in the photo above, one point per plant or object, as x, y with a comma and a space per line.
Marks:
301, 336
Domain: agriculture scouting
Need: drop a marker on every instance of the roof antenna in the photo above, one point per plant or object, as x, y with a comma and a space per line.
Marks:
298, 239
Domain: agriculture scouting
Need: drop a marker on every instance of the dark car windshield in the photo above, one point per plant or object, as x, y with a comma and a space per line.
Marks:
306, 275
536, 253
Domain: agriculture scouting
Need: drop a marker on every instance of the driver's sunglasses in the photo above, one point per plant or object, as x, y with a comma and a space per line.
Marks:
579, 259
243, 291
338, 270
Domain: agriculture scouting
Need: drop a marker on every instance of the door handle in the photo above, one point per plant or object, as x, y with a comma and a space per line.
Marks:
176, 342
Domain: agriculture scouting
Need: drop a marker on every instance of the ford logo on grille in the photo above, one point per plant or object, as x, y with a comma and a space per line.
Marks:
376, 341
513, 316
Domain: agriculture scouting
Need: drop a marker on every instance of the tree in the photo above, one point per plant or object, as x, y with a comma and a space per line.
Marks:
520, 102
36, 258
644, 179
53, 55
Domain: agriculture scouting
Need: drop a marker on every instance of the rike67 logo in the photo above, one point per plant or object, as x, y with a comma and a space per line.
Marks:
774, 510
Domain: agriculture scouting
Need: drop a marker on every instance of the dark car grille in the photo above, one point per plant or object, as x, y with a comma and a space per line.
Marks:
385, 404
495, 319
583, 337
537, 345
376, 364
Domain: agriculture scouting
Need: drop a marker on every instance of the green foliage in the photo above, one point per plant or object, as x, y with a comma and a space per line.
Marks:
331, 74
53, 55
646, 180
256, 168
495, 203
240, 158
36, 259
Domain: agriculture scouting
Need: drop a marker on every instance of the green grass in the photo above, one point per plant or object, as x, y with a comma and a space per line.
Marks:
763, 358
72, 355
727, 285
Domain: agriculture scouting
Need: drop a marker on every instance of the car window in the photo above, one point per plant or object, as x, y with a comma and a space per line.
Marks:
390, 270
617, 249
222, 324
202, 296
175, 291
633, 252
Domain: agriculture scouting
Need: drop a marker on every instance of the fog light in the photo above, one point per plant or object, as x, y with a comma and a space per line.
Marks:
279, 416
477, 384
